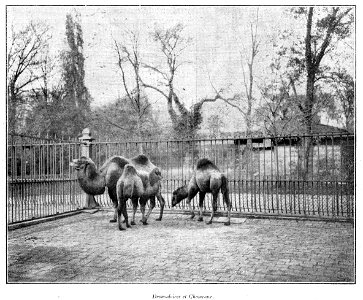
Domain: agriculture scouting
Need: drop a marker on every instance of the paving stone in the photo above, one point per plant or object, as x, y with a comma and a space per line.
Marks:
87, 248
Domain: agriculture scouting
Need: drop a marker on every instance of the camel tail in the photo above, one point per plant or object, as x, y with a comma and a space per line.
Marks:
129, 190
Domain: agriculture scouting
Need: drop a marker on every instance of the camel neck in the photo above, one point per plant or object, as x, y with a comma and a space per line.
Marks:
91, 181
184, 192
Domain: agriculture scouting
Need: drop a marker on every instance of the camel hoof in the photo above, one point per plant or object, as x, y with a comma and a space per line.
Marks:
227, 223
121, 228
209, 222
144, 222
133, 223
128, 225
113, 221
200, 219
158, 219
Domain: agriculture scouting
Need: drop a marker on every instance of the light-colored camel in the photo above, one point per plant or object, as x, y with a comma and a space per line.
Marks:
205, 179
136, 185
94, 181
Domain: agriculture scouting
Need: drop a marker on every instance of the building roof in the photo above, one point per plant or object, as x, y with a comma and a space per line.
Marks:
322, 128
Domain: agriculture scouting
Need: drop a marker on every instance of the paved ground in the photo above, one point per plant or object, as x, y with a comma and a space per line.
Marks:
87, 248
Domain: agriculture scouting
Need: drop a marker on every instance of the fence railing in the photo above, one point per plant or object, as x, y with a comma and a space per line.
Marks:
39, 178
307, 175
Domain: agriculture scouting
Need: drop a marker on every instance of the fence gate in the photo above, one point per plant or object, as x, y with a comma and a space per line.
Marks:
304, 176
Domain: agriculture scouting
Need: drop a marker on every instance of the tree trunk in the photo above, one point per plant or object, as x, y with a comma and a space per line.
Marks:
141, 150
12, 109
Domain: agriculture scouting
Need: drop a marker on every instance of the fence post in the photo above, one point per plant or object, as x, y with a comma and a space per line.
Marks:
86, 150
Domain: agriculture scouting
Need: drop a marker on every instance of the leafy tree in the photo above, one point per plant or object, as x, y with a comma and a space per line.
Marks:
76, 100
276, 113
335, 25
325, 27
343, 91
117, 121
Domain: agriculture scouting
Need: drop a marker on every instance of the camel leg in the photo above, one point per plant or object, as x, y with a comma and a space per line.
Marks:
124, 212
135, 203
215, 199
114, 220
229, 206
227, 201
142, 208
152, 205
119, 210
113, 197
201, 201
191, 194
162, 204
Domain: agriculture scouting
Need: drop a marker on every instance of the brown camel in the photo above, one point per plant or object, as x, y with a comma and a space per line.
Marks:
205, 179
94, 181
136, 185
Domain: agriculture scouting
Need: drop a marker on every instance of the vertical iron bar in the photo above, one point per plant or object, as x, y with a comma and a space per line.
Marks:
318, 179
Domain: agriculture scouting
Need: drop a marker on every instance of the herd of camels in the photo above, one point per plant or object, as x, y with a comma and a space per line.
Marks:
139, 179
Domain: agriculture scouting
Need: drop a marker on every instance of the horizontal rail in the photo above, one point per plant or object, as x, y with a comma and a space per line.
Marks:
303, 175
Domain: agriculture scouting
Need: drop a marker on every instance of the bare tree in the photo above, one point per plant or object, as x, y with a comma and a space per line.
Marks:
249, 81
130, 56
244, 101
46, 96
172, 45
24, 57
215, 125
276, 113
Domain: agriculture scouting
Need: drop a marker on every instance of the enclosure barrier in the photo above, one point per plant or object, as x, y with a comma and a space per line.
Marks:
298, 176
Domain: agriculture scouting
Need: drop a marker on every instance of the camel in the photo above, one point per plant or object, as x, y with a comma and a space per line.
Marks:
205, 179
136, 186
94, 181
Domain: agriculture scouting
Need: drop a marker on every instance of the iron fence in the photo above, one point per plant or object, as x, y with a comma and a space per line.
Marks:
40, 181
303, 175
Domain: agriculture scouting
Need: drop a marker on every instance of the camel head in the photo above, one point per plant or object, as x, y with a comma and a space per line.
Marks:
81, 163
155, 176
88, 177
178, 195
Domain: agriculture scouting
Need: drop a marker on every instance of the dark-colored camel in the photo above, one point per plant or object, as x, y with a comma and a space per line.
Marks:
137, 186
205, 179
94, 181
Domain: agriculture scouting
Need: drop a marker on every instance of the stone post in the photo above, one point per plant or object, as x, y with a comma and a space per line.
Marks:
86, 150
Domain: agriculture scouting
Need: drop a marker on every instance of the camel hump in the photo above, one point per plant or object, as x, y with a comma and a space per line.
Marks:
119, 160
206, 164
114, 160
141, 160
